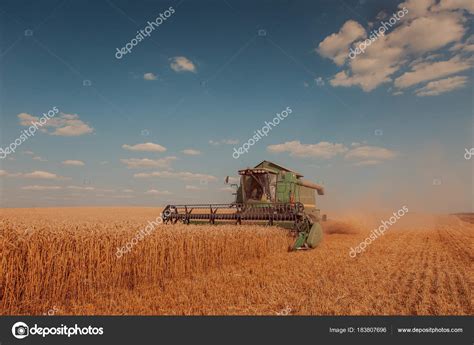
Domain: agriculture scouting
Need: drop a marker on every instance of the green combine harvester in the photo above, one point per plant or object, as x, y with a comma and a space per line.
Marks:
268, 192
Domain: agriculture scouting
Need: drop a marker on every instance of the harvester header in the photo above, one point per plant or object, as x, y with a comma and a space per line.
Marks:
268, 192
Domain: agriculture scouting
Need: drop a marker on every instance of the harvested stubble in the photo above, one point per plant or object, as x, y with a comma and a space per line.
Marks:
75, 263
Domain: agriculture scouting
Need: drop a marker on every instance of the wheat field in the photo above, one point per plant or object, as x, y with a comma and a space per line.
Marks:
64, 260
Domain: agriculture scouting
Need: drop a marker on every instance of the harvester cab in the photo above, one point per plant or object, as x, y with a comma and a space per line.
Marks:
268, 192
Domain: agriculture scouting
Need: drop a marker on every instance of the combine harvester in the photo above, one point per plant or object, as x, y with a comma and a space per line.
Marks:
268, 192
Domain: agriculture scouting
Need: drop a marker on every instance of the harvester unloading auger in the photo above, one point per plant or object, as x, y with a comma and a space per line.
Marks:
268, 192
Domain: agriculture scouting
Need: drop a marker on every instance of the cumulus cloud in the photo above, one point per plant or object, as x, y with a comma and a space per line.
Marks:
367, 162
38, 174
193, 188
158, 192
67, 125
435, 88
371, 153
150, 76
27, 119
224, 141
182, 64
146, 162
336, 45
191, 152
73, 162
413, 44
425, 71
322, 149
146, 147
38, 187
362, 153
183, 175
80, 188
449, 5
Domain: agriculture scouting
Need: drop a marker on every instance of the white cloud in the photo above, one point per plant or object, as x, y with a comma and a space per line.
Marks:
146, 162
370, 153
467, 5
80, 188
147, 147
37, 187
224, 141
27, 120
182, 64
73, 162
42, 175
438, 87
464, 47
150, 76
157, 192
416, 8
336, 45
191, 152
230, 141
322, 149
367, 162
127, 190
415, 42
37, 174
67, 125
183, 175
194, 188
425, 71
31, 153
38, 158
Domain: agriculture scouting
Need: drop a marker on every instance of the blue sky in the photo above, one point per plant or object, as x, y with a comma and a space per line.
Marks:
387, 128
